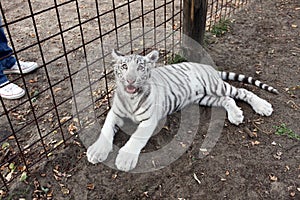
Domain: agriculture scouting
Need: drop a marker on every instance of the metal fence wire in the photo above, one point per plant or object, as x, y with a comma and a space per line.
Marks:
71, 40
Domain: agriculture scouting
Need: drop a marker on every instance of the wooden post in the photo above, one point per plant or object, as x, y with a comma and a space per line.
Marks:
194, 19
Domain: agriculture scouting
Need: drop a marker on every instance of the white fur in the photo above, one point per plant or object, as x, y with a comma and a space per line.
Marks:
195, 77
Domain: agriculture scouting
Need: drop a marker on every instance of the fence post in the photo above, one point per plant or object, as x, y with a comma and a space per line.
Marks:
194, 19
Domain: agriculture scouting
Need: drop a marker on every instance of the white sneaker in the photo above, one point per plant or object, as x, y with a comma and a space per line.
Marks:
11, 91
26, 67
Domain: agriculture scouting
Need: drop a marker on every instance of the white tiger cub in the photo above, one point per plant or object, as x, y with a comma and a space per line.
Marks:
146, 94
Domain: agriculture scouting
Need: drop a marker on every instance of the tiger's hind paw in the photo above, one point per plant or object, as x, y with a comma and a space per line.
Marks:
262, 107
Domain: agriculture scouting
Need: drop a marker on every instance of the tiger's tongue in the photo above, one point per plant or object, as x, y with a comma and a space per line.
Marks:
131, 89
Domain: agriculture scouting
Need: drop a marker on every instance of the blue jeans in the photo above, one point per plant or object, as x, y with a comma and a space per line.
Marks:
6, 58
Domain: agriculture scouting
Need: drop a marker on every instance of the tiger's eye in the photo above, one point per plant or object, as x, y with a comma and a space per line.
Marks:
141, 68
124, 66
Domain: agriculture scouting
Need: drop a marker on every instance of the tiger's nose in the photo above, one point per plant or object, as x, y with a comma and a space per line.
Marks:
130, 81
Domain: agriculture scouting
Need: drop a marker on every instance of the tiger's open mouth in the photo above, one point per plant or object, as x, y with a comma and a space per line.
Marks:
131, 89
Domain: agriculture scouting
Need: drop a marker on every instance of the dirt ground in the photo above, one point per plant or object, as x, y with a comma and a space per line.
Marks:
263, 41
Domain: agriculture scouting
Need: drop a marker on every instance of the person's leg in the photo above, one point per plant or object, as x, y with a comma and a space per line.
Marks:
7, 90
3, 78
8, 65
5, 64
6, 58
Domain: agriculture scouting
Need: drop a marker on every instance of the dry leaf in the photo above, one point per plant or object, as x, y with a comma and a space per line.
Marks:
146, 194
114, 176
273, 177
21, 168
65, 190
287, 168
58, 144
11, 137
64, 119
90, 186
50, 194
294, 25
255, 142
56, 89
58, 173
72, 128
182, 144
196, 178
34, 80
204, 151
9, 176
57, 177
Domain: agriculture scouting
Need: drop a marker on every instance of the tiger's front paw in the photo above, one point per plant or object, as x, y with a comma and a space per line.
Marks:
99, 151
235, 116
126, 160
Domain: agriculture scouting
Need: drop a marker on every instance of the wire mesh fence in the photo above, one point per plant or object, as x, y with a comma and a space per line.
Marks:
71, 41
222, 9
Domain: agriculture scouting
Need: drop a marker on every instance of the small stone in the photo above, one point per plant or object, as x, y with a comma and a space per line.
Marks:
274, 143
292, 194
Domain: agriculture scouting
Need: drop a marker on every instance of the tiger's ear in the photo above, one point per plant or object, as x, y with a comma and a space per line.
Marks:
153, 56
116, 55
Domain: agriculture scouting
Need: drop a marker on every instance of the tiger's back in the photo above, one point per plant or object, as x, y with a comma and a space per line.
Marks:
184, 83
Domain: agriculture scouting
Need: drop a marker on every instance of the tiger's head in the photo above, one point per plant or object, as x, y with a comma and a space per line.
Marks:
133, 71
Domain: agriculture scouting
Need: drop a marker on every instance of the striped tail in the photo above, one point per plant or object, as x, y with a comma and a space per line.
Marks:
242, 78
